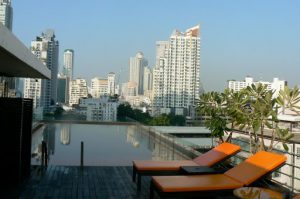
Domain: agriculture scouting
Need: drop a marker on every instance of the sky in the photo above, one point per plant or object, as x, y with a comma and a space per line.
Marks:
239, 38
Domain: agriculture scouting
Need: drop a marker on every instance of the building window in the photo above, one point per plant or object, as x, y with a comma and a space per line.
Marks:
298, 153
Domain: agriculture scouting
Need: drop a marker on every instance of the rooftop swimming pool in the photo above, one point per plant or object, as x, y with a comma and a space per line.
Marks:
104, 145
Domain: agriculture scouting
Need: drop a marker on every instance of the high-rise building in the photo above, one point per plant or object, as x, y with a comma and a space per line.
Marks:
111, 83
78, 89
6, 18
176, 76
147, 81
6, 13
43, 92
62, 88
68, 69
275, 86
69, 63
136, 71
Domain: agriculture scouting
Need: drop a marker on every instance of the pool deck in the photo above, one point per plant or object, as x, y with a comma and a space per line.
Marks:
70, 182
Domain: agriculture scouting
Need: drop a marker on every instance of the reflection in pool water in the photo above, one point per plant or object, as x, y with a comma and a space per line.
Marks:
104, 145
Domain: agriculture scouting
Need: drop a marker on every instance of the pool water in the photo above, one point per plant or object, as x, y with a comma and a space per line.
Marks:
104, 145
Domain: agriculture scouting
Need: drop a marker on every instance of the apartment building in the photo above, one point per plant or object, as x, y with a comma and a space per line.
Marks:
176, 76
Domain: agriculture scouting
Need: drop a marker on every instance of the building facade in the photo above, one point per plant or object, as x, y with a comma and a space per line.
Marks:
111, 83
275, 86
136, 71
99, 109
62, 88
176, 75
147, 80
68, 70
6, 18
99, 87
44, 92
78, 90
69, 63
6, 13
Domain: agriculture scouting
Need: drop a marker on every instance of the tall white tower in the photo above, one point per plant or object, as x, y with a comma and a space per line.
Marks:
136, 71
6, 13
176, 76
69, 63
111, 83
44, 92
68, 69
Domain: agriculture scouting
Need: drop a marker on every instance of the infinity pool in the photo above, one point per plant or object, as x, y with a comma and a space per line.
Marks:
104, 145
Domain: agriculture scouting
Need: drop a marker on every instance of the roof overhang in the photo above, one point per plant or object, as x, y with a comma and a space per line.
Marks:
16, 60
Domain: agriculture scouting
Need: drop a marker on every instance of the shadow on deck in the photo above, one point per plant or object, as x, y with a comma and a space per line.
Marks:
70, 182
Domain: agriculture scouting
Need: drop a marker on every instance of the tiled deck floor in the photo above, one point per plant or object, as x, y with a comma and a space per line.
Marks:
60, 182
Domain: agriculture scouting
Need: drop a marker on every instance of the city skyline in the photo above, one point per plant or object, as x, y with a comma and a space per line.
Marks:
238, 38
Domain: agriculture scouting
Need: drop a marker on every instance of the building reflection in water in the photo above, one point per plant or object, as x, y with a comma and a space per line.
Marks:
161, 149
132, 136
65, 134
45, 133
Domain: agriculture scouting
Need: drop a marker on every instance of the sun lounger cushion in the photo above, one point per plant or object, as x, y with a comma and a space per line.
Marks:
195, 183
217, 154
256, 166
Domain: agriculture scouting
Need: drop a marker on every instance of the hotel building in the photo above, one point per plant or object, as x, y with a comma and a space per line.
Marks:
176, 76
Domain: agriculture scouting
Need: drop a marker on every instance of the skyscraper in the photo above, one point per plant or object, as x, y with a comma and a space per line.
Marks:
111, 81
68, 69
43, 92
69, 63
147, 80
62, 89
6, 18
6, 13
176, 76
136, 71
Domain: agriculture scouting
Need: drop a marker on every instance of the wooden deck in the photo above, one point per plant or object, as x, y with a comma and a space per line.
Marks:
72, 182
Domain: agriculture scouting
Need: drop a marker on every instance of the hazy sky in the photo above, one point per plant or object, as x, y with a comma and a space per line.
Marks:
259, 38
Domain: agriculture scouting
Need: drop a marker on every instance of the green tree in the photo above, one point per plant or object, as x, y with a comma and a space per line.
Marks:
213, 106
162, 120
124, 110
58, 113
176, 120
259, 113
289, 99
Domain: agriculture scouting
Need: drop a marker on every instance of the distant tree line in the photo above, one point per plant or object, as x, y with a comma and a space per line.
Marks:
125, 111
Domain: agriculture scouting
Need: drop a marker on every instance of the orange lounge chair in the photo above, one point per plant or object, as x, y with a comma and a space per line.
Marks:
244, 174
208, 159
